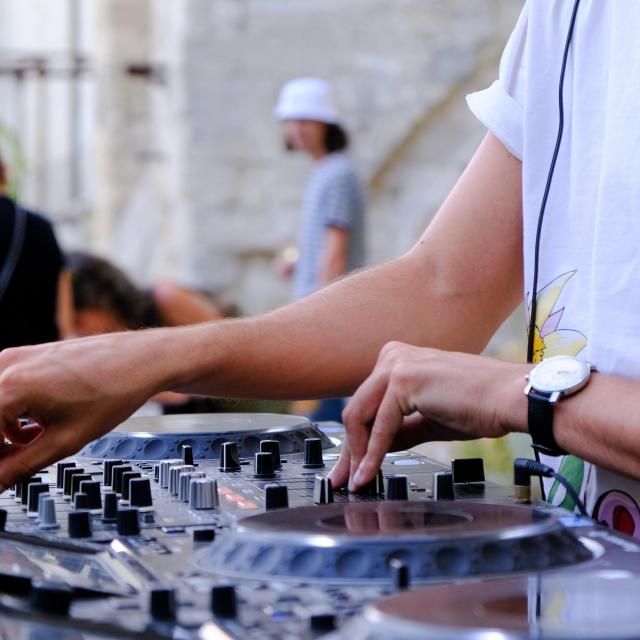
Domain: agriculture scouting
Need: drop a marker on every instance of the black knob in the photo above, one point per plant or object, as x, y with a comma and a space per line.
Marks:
375, 487
128, 523
204, 535
75, 483
442, 486
467, 470
110, 508
92, 489
322, 622
223, 601
397, 487
399, 574
187, 454
81, 500
276, 496
50, 597
272, 447
67, 480
60, 467
140, 493
3, 519
106, 471
162, 604
35, 489
313, 453
263, 466
24, 488
127, 477
229, 458
116, 476
15, 584
322, 490
79, 524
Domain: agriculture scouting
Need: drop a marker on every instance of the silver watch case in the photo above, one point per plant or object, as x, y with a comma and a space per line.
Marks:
558, 376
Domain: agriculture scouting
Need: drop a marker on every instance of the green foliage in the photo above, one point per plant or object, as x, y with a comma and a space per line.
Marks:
13, 156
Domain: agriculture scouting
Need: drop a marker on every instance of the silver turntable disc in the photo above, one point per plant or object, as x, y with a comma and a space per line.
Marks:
355, 541
577, 606
161, 437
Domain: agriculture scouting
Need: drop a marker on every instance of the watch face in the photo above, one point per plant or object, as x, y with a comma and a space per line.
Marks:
561, 373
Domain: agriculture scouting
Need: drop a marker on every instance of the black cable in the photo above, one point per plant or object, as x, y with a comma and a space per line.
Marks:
543, 205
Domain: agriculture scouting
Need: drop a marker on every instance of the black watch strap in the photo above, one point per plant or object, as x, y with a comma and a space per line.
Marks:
541, 424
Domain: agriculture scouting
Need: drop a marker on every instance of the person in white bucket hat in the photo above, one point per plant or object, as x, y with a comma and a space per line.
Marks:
331, 234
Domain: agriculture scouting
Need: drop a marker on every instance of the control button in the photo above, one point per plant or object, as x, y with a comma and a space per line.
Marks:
24, 489
313, 453
162, 604
126, 479
263, 465
128, 523
60, 467
442, 486
75, 483
375, 487
79, 524
276, 496
467, 470
187, 454
3, 519
81, 500
174, 476
50, 597
322, 622
15, 584
106, 471
165, 467
35, 489
397, 487
116, 476
185, 484
47, 512
399, 574
229, 458
223, 601
204, 535
272, 447
203, 494
92, 489
156, 472
140, 493
110, 508
322, 490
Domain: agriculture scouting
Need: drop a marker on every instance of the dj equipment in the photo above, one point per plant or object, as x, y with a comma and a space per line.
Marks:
226, 527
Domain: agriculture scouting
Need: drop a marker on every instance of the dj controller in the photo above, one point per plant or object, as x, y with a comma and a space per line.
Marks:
225, 526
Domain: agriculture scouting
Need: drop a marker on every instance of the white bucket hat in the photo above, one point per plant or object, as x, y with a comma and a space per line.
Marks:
307, 99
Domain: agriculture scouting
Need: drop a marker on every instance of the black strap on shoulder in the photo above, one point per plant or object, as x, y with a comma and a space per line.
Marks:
540, 416
15, 248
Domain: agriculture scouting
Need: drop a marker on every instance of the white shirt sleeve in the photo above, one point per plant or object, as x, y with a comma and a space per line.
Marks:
500, 107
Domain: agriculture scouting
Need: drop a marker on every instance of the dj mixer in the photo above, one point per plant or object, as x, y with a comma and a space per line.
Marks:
225, 526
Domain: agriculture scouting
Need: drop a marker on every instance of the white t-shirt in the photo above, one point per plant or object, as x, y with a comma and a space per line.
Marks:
589, 277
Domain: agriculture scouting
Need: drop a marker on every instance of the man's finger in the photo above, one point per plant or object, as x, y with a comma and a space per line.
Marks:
339, 475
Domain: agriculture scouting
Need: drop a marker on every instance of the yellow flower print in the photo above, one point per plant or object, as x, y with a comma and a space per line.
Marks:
548, 340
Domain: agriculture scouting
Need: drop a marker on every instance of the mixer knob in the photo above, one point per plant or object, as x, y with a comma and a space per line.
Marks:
321, 623
92, 489
140, 493
443, 486
229, 458
399, 574
75, 483
187, 454
204, 535
3, 519
397, 487
165, 467
47, 512
50, 597
375, 487
174, 476
156, 472
24, 489
35, 489
106, 471
162, 604
313, 453
60, 467
263, 466
276, 496
79, 524
81, 501
272, 447
203, 494
110, 507
126, 479
322, 490
128, 522
116, 476
223, 601
185, 484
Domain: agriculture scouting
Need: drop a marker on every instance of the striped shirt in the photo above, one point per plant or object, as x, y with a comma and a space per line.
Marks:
333, 198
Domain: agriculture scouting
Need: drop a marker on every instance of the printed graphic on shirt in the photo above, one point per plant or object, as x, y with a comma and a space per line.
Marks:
619, 511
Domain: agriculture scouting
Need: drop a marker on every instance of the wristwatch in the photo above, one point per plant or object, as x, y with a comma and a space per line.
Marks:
549, 381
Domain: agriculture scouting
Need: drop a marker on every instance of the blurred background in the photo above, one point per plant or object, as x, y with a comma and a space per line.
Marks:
144, 129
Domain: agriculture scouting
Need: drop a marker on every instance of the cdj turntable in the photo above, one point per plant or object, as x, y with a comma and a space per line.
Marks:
225, 526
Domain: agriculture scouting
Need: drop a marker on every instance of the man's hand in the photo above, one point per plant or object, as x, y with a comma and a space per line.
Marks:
418, 395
